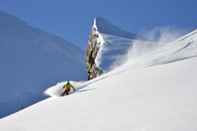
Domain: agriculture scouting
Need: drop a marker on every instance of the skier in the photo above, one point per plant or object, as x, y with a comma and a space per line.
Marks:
67, 88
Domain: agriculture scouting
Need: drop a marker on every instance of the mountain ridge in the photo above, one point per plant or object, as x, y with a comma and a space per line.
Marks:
105, 26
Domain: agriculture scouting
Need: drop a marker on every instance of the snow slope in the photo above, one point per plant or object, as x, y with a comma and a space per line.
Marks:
180, 49
159, 98
156, 98
30, 61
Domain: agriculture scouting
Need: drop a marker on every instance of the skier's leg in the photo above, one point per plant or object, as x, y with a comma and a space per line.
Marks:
65, 92
89, 77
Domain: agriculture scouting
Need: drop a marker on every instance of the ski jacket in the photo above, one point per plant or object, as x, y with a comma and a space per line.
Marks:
68, 87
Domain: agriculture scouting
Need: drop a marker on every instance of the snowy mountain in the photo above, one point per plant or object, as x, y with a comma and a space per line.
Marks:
32, 60
155, 98
114, 47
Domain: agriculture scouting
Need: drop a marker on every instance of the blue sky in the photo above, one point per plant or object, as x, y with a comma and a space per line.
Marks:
71, 19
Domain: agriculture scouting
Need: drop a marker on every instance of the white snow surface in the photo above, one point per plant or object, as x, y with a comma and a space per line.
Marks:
155, 98
159, 98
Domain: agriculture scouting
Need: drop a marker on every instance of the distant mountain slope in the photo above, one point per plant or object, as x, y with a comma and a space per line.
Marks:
30, 61
106, 27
